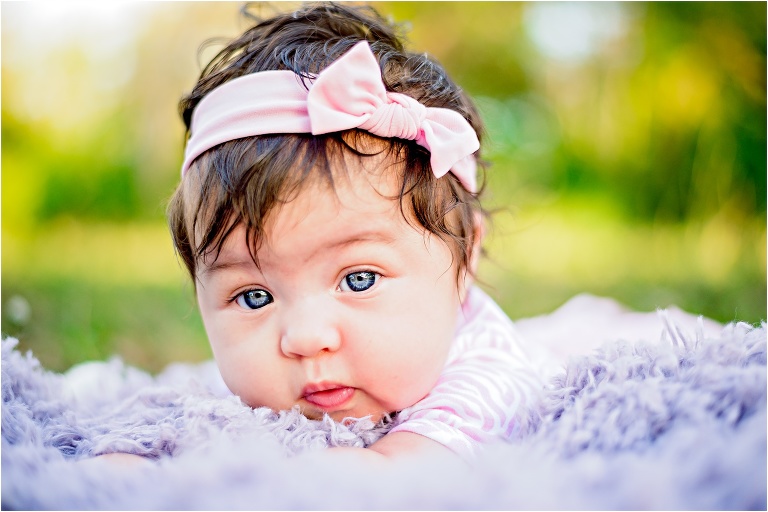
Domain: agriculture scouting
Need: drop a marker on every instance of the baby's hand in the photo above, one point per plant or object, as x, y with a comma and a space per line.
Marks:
396, 447
400, 445
126, 460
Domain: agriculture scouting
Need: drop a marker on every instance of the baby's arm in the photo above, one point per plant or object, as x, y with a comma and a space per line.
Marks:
402, 444
118, 459
396, 447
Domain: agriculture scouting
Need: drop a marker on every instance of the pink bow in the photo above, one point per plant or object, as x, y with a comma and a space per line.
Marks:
347, 94
350, 94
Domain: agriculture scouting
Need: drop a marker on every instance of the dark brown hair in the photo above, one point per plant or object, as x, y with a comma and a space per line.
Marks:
241, 181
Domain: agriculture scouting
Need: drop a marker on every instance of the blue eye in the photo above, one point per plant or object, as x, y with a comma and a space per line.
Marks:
359, 281
254, 299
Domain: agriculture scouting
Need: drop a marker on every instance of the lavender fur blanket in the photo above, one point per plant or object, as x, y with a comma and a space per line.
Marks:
679, 423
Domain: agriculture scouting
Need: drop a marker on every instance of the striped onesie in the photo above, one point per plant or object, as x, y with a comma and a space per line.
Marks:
487, 379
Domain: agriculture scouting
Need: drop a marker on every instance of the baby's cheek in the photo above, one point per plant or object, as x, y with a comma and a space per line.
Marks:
242, 373
241, 355
431, 351
257, 387
418, 370
234, 378
423, 380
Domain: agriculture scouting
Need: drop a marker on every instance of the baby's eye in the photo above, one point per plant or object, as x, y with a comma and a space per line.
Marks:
254, 299
359, 281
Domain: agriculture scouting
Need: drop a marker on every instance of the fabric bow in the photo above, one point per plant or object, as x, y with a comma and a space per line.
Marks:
347, 94
350, 93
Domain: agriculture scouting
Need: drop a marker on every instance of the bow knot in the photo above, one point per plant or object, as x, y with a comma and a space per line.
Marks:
401, 117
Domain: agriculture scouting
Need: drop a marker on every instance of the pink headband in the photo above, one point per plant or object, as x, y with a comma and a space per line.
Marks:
347, 94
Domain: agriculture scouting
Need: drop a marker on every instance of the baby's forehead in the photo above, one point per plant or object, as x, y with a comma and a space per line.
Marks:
371, 193
319, 222
359, 195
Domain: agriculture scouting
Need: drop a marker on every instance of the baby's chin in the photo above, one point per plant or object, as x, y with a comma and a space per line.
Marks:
346, 417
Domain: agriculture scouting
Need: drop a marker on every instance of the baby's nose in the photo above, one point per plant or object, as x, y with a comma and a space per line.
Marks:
309, 328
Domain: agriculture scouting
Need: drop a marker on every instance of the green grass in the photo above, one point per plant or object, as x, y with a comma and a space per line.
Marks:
71, 321
97, 290
540, 258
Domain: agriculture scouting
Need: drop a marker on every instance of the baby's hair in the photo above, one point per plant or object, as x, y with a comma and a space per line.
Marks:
239, 182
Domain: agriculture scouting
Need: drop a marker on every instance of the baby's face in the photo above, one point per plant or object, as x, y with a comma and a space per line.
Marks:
352, 313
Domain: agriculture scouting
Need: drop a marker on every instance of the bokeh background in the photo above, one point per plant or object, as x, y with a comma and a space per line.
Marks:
628, 143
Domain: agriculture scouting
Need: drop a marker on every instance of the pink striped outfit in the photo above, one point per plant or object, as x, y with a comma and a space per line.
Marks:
488, 377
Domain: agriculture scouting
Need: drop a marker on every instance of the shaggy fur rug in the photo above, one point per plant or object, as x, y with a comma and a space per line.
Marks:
678, 423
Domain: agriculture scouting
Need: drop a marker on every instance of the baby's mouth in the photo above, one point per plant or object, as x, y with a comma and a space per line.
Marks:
328, 397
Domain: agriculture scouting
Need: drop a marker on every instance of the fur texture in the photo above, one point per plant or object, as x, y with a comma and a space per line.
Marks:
676, 424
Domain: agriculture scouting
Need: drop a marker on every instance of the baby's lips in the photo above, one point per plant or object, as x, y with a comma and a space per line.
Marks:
328, 397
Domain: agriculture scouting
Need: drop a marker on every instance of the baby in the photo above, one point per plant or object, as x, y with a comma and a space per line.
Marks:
328, 215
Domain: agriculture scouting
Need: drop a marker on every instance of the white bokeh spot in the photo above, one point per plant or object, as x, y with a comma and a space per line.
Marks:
573, 31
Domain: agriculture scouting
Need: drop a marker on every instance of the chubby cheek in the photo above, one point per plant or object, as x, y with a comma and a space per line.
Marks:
405, 358
249, 367
252, 384
256, 377
415, 377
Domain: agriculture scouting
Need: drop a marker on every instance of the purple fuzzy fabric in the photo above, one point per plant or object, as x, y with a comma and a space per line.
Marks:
676, 424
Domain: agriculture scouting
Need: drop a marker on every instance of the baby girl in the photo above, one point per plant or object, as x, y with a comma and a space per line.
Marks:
328, 215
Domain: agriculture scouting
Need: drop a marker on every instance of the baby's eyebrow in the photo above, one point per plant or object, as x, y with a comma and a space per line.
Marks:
218, 266
365, 236
383, 237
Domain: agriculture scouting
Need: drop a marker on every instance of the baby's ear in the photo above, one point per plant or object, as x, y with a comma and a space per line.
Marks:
477, 244
474, 254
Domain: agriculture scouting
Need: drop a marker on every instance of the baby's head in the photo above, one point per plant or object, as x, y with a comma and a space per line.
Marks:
329, 267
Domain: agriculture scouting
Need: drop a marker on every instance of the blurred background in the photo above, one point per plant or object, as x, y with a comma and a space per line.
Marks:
628, 143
